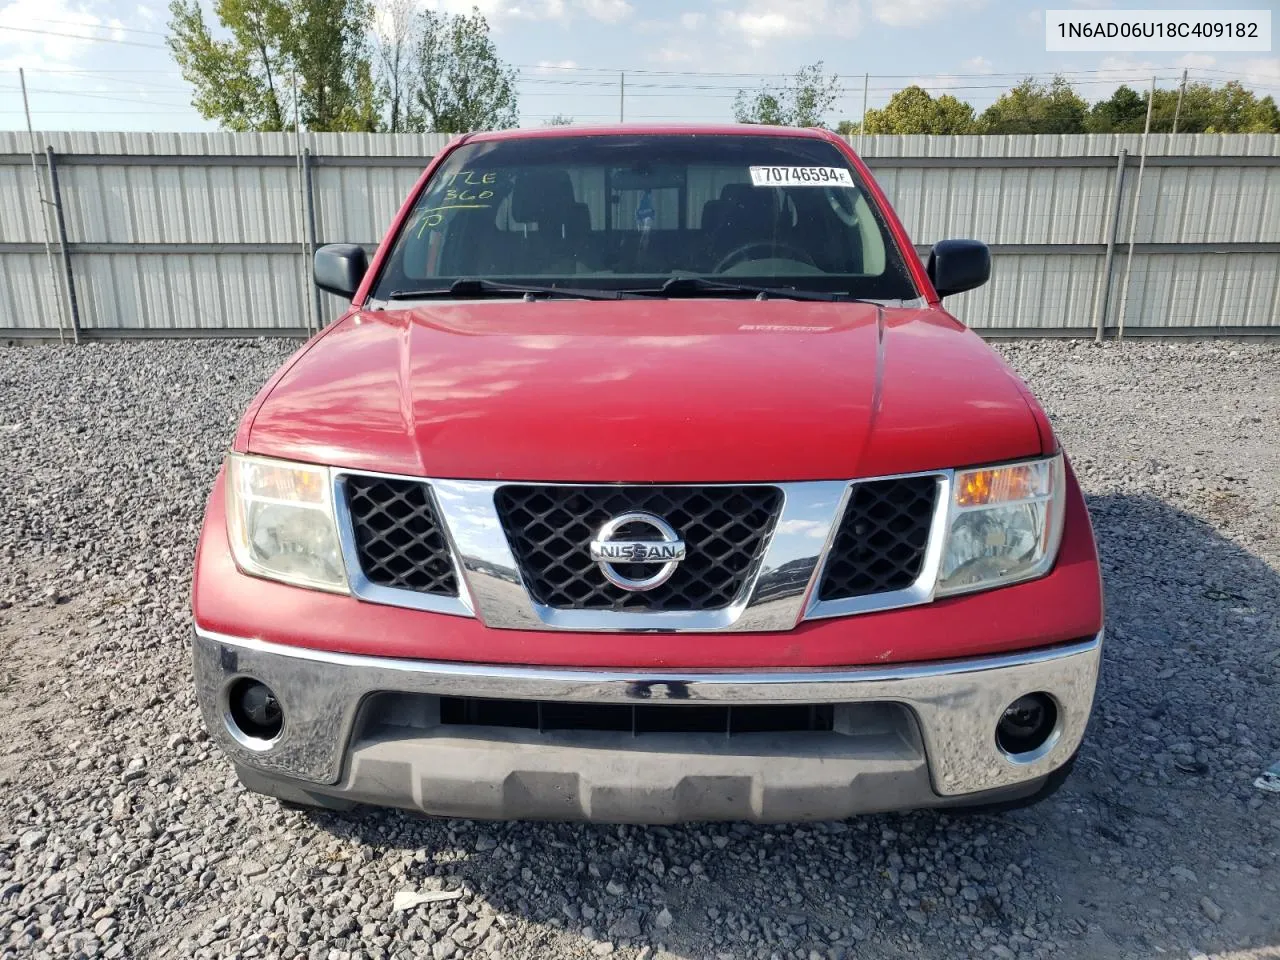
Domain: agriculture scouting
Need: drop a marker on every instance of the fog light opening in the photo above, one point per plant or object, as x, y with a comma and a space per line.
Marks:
254, 715
1028, 727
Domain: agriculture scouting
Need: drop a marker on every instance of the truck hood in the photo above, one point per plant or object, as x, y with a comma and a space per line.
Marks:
700, 390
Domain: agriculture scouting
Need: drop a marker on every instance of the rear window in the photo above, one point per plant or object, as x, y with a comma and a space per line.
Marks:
631, 211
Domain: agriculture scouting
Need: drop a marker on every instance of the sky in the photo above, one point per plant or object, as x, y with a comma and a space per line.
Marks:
102, 64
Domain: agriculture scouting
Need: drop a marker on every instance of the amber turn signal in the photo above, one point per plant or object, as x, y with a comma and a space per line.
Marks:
1012, 484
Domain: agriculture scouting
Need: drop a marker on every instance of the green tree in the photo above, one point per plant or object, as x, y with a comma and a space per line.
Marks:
243, 82
1229, 108
395, 38
559, 120
461, 83
913, 110
1033, 107
1205, 109
804, 102
336, 88
246, 82
1125, 111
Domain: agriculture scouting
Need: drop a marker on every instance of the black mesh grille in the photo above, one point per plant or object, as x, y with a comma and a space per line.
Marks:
543, 715
399, 538
725, 530
882, 538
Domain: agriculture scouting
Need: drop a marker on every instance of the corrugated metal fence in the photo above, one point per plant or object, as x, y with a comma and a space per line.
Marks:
210, 233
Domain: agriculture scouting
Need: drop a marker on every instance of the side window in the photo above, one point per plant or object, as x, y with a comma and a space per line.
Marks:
873, 253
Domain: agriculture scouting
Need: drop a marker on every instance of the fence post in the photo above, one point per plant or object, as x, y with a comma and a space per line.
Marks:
1133, 219
1113, 225
309, 187
67, 279
43, 206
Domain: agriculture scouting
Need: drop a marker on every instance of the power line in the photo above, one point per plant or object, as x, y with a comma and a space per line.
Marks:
103, 96
696, 93
1102, 72
685, 87
139, 85
78, 36
103, 113
97, 96
70, 71
97, 26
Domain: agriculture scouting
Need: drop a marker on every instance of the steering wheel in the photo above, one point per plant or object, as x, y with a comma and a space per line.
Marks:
739, 254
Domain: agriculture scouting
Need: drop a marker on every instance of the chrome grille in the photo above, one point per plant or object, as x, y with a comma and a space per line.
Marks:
881, 541
400, 541
725, 529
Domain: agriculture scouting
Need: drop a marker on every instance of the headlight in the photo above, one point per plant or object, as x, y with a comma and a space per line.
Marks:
1004, 525
280, 522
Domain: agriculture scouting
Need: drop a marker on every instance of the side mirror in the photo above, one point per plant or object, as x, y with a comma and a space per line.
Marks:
958, 265
339, 268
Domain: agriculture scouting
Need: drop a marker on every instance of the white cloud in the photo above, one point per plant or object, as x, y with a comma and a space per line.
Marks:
939, 84
539, 10
1031, 22
552, 67
1196, 61
768, 24
44, 50
1265, 69
1123, 71
1127, 69
610, 11
495, 11
761, 21
692, 21
672, 53
915, 13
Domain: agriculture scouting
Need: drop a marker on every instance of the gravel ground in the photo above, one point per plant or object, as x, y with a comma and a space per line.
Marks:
123, 834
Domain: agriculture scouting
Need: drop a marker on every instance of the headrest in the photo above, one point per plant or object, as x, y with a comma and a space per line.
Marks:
714, 212
741, 192
748, 208
577, 219
541, 196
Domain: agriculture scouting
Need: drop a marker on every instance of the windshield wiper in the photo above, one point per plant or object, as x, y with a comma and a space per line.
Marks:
695, 286
476, 287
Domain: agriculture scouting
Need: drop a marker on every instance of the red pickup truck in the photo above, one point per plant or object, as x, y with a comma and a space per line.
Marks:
647, 480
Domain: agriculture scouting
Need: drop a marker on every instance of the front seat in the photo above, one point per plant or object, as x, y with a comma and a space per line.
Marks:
745, 214
545, 198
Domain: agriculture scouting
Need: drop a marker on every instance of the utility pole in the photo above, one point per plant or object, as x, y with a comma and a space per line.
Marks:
622, 97
304, 274
862, 124
44, 212
1133, 216
1182, 88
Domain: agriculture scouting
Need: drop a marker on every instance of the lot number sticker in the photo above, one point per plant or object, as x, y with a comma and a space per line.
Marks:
801, 177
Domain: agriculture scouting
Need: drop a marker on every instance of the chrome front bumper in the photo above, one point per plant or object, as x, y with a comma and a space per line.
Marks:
931, 744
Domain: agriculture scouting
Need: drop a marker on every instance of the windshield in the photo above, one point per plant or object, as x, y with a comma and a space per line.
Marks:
630, 212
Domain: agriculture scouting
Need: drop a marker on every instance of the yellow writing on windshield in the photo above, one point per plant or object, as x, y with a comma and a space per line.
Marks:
466, 190
471, 178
